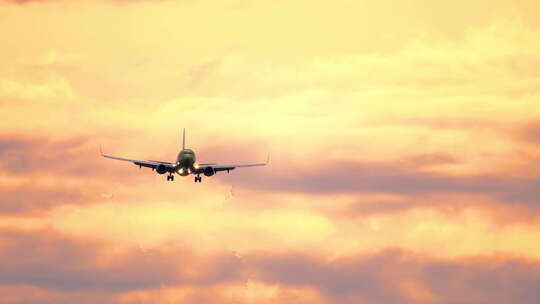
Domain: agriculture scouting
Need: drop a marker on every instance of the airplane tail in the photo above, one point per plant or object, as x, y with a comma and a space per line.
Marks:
184, 139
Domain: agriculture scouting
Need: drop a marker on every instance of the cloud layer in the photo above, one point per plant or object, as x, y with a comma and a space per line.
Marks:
403, 139
51, 261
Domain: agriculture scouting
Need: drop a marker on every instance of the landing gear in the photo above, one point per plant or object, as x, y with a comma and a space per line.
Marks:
198, 179
170, 177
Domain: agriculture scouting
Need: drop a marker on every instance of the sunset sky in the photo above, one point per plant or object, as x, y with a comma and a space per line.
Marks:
404, 138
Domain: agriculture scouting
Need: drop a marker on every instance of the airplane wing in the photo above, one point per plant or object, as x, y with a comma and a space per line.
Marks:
227, 168
160, 162
142, 163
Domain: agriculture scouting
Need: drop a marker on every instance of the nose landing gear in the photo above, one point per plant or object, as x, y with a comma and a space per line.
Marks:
198, 179
170, 177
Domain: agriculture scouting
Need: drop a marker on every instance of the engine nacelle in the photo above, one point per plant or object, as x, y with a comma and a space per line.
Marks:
161, 169
209, 171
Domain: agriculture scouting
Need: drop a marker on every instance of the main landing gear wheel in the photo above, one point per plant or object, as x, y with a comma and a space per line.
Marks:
170, 178
198, 179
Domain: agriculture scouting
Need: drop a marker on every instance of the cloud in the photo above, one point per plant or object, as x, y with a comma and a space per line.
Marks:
478, 279
531, 132
49, 260
340, 280
25, 294
423, 160
40, 174
76, 157
29, 199
59, 263
29, 155
368, 125
387, 277
24, 1
355, 177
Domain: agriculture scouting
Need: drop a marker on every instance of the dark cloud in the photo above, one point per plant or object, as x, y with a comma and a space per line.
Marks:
48, 260
328, 177
29, 199
29, 160
448, 204
360, 279
75, 157
379, 278
63, 264
425, 160
478, 280
19, 155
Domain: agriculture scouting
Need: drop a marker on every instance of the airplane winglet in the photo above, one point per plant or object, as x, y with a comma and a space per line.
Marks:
268, 158
100, 150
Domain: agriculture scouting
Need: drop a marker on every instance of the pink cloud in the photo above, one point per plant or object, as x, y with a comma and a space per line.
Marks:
61, 264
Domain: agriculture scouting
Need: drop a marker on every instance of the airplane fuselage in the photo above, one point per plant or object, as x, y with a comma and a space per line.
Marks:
186, 162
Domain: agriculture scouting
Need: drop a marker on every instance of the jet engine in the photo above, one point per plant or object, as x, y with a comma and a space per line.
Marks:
161, 169
209, 171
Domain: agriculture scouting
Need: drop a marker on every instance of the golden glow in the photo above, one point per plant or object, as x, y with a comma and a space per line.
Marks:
319, 87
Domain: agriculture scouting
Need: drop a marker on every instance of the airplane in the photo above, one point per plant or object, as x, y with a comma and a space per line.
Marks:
186, 164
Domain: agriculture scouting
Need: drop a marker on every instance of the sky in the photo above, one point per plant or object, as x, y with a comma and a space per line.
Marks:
404, 139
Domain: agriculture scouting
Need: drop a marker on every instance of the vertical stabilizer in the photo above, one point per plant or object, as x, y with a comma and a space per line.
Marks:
184, 139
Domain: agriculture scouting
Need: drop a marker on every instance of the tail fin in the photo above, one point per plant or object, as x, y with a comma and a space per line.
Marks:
184, 139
